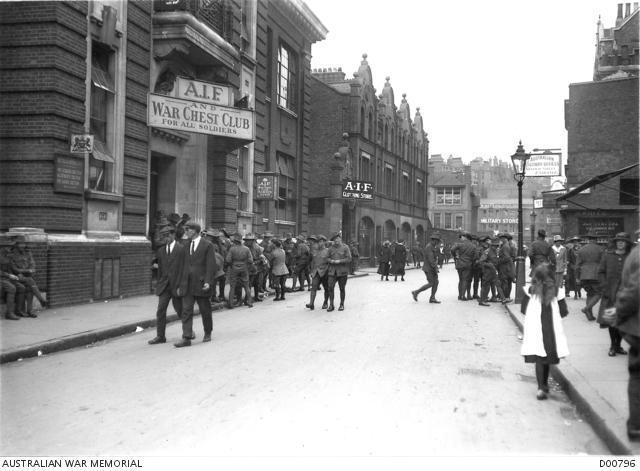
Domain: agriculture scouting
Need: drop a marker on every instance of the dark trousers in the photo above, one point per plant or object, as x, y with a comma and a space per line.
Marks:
464, 278
279, 283
593, 293
315, 284
15, 296
187, 314
506, 284
220, 282
303, 275
490, 284
239, 276
161, 312
432, 282
633, 390
342, 284
31, 289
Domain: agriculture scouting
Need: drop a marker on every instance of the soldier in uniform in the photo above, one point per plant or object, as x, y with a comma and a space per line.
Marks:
213, 236
587, 263
267, 247
9, 284
256, 267
475, 275
239, 259
339, 261
301, 262
430, 269
506, 267
172, 279
319, 269
463, 253
289, 246
489, 261
24, 267
355, 256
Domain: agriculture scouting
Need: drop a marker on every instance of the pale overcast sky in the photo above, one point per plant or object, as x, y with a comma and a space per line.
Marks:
485, 74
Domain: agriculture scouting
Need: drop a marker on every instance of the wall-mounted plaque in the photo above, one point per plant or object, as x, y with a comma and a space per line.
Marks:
69, 174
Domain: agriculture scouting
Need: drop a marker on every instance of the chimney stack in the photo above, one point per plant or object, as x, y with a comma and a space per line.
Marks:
619, 17
627, 10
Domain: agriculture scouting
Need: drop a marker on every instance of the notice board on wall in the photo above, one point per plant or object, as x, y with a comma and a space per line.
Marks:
69, 174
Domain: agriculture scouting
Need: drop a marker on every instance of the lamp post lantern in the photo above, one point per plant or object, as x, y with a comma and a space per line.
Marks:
519, 160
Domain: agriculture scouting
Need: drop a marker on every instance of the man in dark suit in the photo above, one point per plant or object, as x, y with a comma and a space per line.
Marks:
464, 253
172, 279
201, 268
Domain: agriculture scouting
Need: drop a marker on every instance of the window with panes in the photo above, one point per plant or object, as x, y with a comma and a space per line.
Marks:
287, 78
243, 179
101, 160
388, 180
449, 195
286, 204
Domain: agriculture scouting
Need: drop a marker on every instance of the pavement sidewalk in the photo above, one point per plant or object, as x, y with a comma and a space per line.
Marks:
62, 328
595, 382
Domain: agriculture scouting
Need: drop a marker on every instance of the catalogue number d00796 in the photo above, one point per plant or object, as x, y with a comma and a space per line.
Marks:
618, 463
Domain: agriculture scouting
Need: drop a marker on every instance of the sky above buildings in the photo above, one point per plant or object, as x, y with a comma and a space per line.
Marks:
485, 74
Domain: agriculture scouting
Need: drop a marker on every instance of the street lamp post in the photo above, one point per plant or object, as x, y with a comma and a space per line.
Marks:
519, 160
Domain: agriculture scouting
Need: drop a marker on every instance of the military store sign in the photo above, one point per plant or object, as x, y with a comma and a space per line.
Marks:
266, 184
358, 190
204, 118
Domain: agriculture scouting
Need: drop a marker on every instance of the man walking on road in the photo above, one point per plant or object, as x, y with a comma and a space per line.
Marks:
319, 269
430, 269
201, 269
172, 279
339, 262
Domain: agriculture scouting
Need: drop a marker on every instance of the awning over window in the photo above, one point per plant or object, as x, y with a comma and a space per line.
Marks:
100, 152
594, 181
101, 79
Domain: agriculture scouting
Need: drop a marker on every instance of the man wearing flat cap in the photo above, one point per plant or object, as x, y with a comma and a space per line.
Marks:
430, 269
587, 263
172, 279
573, 246
239, 258
339, 262
201, 269
301, 260
489, 262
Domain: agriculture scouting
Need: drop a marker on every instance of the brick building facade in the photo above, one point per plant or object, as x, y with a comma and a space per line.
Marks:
601, 118
92, 68
377, 142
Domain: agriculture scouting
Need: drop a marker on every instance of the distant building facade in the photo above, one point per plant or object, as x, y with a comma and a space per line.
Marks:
376, 142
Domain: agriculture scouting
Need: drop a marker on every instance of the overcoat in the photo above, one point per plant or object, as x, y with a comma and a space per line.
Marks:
588, 262
610, 276
201, 267
398, 259
627, 299
278, 265
172, 270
